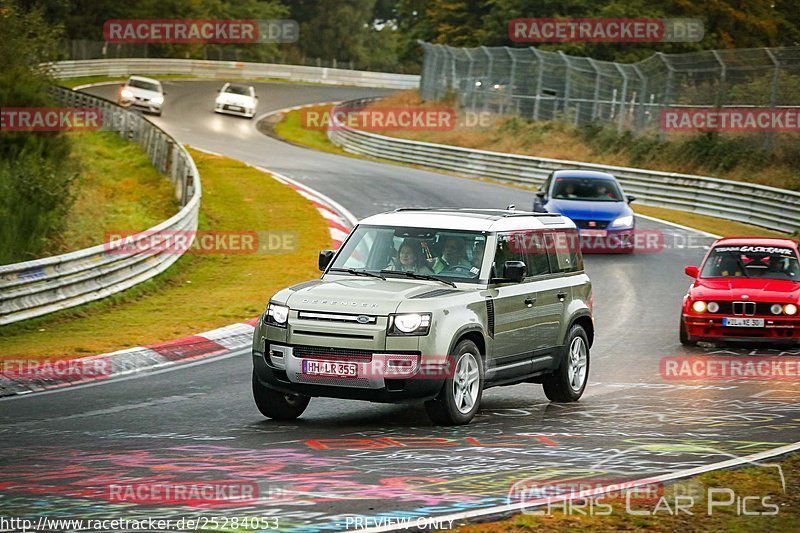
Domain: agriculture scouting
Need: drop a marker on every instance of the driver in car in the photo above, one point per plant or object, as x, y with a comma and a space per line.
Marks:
453, 256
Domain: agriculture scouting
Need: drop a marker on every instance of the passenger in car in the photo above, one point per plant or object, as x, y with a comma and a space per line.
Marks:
409, 259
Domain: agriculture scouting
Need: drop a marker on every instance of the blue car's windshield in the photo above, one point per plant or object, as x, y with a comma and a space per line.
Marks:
586, 189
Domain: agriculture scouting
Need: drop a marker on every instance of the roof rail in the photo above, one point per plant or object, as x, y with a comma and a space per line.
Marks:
497, 212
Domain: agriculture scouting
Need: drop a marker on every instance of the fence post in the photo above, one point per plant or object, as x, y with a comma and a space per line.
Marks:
623, 97
596, 87
667, 92
773, 94
722, 79
539, 74
639, 111
567, 83
512, 76
471, 86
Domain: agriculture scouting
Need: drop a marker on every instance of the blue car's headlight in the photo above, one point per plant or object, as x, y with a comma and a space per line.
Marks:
623, 222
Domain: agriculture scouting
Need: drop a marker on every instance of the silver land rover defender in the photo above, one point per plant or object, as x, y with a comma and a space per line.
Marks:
431, 305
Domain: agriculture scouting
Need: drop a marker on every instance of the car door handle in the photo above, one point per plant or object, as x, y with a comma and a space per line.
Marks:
530, 300
561, 296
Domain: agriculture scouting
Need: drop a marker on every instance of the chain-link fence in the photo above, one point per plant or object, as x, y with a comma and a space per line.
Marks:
542, 85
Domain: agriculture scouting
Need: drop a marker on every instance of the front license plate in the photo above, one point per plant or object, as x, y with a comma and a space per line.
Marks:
234, 108
594, 233
314, 367
743, 322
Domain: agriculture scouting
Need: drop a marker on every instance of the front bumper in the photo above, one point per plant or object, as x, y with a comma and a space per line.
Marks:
138, 104
234, 110
284, 374
608, 241
777, 329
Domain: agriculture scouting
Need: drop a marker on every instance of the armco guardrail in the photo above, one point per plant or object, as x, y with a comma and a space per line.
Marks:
38, 287
769, 207
233, 69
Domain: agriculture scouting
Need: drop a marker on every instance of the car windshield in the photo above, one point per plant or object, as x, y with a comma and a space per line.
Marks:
451, 255
752, 262
587, 189
238, 89
146, 85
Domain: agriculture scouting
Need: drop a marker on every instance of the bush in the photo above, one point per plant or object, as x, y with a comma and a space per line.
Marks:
35, 173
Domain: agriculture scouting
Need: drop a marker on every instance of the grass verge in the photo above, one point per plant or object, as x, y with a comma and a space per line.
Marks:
290, 128
115, 174
199, 292
761, 482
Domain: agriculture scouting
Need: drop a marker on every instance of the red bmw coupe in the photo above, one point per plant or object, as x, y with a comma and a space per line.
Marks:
748, 289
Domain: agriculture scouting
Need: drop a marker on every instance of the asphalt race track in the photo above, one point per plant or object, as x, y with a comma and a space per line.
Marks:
198, 422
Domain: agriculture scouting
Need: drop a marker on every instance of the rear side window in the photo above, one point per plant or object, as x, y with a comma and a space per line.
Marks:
564, 251
526, 246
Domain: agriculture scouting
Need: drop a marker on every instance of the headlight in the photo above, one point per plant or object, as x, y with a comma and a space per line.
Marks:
623, 222
776, 309
699, 306
790, 309
712, 307
410, 324
126, 93
277, 315
158, 100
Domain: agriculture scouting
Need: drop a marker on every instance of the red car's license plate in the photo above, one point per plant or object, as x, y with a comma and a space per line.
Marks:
743, 322
315, 367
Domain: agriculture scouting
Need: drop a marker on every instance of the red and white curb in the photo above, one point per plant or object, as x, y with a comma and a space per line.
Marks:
48, 375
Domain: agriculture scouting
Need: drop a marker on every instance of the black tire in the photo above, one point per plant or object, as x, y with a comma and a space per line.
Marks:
277, 405
686, 340
444, 409
560, 386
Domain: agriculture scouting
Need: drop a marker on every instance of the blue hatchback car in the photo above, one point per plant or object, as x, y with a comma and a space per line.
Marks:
596, 203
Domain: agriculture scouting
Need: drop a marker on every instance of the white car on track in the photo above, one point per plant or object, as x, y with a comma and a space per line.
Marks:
142, 93
237, 99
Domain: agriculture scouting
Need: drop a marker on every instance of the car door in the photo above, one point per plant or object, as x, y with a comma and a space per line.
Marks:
515, 308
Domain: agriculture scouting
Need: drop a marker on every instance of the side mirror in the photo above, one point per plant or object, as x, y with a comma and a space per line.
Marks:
631, 198
692, 271
514, 271
325, 258
541, 194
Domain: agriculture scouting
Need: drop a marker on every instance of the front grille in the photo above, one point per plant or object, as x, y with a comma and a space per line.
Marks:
587, 224
337, 317
361, 383
744, 308
326, 352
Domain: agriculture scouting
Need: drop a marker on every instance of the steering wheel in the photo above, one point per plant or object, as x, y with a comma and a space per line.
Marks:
461, 268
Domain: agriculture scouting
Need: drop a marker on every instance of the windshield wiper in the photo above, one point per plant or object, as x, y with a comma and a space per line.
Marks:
358, 272
414, 275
